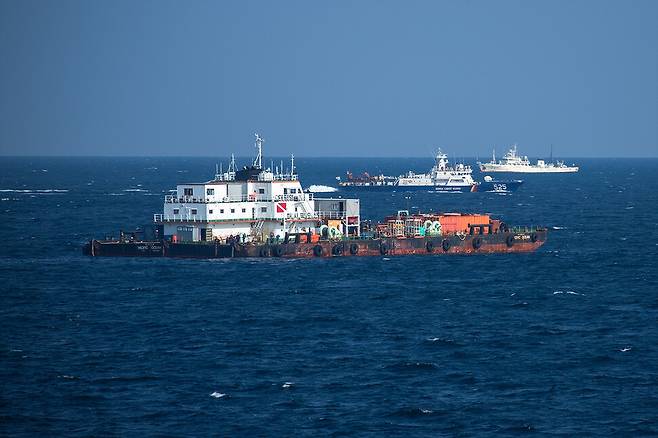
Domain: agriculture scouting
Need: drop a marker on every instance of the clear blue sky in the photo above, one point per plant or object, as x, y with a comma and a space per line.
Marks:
328, 78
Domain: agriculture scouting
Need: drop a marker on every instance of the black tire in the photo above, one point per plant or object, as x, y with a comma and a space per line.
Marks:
429, 246
354, 249
477, 243
383, 249
445, 245
534, 237
503, 227
264, 251
337, 250
277, 251
509, 240
317, 250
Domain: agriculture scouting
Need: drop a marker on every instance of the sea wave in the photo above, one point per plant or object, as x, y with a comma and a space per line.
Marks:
315, 188
33, 191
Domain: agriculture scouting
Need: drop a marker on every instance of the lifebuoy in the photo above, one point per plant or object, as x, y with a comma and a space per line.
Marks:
337, 250
264, 251
445, 245
534, 237
354, 249
509, 240
477, 243
277, 251
429, 246
317, 250
383, 249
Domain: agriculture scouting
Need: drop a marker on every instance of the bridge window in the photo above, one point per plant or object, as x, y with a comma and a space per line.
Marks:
244, 210
209, 211
293, 191
263, 209
210, 192
176, 211
233, 210
193, 211
261, 191
188, 192
221, 211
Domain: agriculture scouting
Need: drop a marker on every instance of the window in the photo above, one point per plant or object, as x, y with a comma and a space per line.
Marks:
210, 192
261, 191
193, 211
233, 210
221, 211
188, 192
209, 211
285, 191
176, 211
293, 190
263, 209
244, 210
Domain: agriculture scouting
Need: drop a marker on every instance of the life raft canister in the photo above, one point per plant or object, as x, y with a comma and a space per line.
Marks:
477, 243
445, 245
317, 250
429, 246
354, 249
383, 249
509, 240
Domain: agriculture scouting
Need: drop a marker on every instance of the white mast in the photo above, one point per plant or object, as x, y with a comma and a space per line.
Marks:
292, 164
258, 162
231, 164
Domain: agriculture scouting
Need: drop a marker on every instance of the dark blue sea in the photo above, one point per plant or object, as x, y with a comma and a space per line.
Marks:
561, 342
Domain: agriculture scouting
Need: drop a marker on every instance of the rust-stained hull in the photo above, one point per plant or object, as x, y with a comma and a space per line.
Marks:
525, 241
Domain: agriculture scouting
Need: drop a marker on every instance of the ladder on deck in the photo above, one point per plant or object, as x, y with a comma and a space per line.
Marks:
257, 230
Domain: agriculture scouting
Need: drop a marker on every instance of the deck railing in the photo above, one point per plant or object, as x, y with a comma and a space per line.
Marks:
173, 199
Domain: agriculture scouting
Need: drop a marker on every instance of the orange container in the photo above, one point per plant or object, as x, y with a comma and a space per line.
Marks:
460, 223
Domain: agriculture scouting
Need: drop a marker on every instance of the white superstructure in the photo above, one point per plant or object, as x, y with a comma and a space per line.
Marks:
511, 162
251, 204
441, 175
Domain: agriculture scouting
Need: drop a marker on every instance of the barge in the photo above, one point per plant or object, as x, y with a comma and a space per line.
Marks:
263, 212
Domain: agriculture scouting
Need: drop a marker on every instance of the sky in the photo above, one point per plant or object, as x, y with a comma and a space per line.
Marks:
329, 78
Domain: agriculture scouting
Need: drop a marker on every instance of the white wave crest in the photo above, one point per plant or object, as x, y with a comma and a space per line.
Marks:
217, 394
569, 292
135, 190
33, 191
321, 189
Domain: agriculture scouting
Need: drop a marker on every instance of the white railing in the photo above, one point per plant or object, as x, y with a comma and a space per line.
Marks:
300, 215
267, 176
172, 199
331, 214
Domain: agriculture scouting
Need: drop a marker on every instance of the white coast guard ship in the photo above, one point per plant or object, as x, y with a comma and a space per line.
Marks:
511, 162
252, 205
442, 177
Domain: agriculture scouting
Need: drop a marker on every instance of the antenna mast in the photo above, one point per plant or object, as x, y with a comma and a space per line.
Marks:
258, 162
231, 165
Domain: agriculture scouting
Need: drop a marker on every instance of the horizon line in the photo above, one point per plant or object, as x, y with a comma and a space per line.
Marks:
319, 156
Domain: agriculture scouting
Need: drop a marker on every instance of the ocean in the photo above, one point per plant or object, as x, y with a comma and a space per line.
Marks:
560, 342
